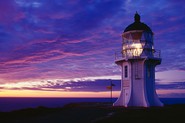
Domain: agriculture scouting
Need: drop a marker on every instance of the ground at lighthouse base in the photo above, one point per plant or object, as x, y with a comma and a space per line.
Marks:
96, 113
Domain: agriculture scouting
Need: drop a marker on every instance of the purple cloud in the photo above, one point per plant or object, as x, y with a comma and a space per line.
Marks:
55, 36
174, 85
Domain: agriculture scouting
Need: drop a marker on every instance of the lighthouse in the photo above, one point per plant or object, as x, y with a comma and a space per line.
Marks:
138, 59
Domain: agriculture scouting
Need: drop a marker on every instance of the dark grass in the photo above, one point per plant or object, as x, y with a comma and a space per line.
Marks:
96, 113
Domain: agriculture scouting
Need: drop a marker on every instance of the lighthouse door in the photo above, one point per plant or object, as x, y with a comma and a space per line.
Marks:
126, 96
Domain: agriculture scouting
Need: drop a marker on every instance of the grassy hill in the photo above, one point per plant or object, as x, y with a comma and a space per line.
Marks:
96, 113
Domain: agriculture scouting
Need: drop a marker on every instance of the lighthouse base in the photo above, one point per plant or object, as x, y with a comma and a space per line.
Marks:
138, 83
125, 101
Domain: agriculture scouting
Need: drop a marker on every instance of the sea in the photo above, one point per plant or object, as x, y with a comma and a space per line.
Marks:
12, 104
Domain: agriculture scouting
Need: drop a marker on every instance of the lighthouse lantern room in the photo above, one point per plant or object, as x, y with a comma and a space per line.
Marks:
138, 60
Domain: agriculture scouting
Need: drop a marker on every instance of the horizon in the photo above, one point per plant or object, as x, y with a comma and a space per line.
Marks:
66, 48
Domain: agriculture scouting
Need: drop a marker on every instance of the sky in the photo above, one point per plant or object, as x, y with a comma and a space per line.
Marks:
65, 48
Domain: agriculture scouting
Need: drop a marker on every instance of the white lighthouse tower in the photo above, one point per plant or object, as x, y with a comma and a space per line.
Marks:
138, 59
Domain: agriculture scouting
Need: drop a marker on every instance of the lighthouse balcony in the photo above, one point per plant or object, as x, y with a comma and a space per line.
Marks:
155, 54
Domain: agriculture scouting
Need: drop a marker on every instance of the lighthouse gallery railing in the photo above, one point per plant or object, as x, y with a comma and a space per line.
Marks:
121, 55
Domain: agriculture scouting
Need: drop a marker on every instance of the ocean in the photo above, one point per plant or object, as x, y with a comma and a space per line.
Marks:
11, 104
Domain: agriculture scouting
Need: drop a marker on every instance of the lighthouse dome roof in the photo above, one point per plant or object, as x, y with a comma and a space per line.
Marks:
137, 25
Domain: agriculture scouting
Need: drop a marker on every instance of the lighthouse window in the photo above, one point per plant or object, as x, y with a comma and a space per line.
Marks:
149, 71
126, 71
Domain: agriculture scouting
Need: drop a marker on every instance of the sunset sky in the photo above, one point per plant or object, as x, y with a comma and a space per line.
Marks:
65, 48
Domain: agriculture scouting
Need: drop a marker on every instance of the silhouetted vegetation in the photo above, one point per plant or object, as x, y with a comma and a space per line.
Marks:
96, 113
